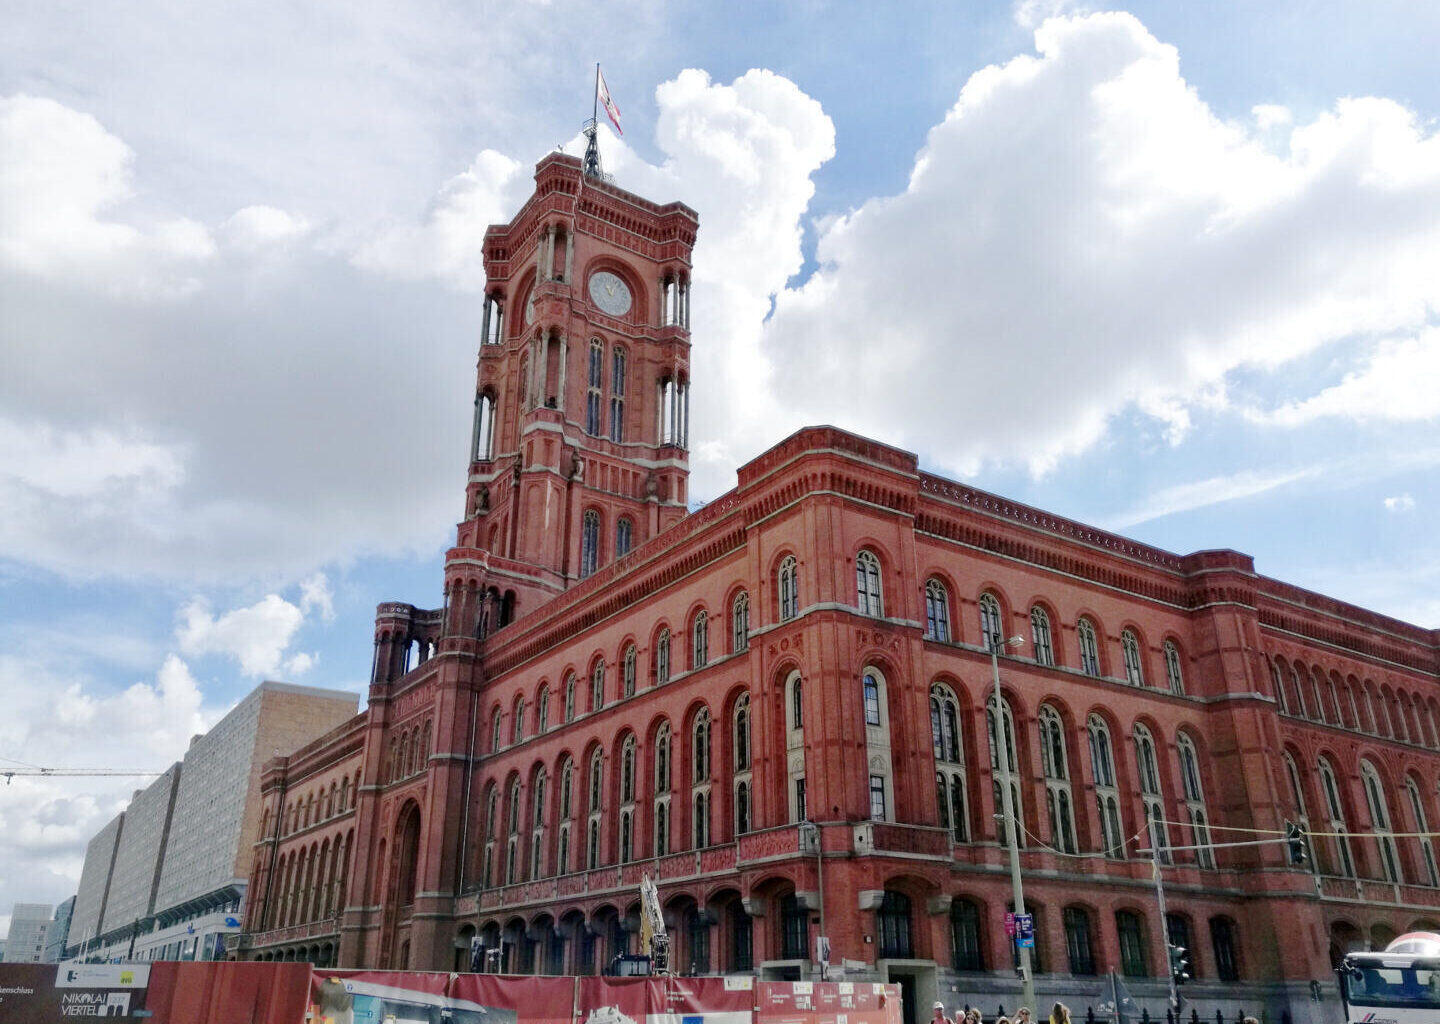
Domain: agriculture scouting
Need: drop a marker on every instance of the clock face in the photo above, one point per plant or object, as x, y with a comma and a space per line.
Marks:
609, 293
530, 308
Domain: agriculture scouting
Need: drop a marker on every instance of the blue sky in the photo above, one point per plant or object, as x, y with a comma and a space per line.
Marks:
1169, 271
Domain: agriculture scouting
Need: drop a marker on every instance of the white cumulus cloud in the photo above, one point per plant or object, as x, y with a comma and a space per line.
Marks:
1400, 381
257, 636
1400, 503
1082, 234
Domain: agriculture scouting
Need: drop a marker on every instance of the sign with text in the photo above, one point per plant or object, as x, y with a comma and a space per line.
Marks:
50, 993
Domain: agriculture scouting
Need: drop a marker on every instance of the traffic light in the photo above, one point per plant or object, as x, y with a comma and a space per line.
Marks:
1295, 840
1179, 964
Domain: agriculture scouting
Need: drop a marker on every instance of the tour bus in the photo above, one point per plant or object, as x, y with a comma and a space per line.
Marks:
1398, 986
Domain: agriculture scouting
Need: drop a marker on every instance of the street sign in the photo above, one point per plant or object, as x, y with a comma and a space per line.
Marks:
1010, 923
1025, 930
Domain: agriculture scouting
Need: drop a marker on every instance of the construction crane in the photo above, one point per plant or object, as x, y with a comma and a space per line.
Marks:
72, 773
654, 942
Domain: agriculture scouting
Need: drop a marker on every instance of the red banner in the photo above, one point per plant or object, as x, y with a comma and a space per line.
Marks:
340, 997
827, 1002
500, 999
665, 1001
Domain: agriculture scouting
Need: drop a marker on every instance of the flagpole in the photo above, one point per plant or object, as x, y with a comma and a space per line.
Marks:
595, 99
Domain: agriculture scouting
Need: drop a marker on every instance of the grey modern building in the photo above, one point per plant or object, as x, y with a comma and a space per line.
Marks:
166, 880
29, 924
58, 937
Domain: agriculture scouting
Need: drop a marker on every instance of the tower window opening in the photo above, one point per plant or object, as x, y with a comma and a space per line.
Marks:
592, 395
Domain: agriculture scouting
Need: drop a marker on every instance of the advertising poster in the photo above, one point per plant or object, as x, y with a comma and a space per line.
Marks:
498, 999
827, 1002
384, 997
665, 1001
50, 993
200, 992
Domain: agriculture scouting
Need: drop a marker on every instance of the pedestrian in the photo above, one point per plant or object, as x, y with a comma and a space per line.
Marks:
972, 1016
937, 1014
1250, 1020
1002, 1020
1060, 1014
1022, 1015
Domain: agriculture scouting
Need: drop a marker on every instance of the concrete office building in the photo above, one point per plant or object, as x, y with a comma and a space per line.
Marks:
59, 934
166, 880
29, 923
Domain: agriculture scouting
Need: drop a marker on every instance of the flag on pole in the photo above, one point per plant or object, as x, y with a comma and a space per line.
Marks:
603, 93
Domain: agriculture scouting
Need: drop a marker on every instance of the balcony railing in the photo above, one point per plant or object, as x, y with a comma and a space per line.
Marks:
294, 932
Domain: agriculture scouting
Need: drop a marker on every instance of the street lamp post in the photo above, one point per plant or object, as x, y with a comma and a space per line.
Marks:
1002, 760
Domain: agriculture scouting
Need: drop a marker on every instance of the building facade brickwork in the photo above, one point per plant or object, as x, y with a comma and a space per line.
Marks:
780, 706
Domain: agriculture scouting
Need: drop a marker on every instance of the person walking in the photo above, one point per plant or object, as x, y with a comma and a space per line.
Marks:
1060, 1014
1022, 1015
938, 1015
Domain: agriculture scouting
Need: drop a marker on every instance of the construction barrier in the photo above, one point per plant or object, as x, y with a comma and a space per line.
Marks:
168, 992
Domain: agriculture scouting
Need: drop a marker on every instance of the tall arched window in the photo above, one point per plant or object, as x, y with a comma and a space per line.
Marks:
1173, 676
1380, 816
617, 397
868, 596
1089, 647
967, 949
892, 921
1279, 684
594, 380
570, 709
1148, 763
795, 745
596, 809
1195, 800
949, 762
1427, 849
597, 686
567, 811
740, 623
788, 585
1223, 944
1043, 643
1131, 932
1078, 944
627, 799
1134, 670
797, 704
700, 778
512, 842
518, 721
628, 671
542, 710
871, 687
1335, 809
700, 736
700, 641
1057, 779
662, 790
624, 536
992, 628
937, 611
740, 747
1107, 796
1011, 765
589, 543
537, 824
497, 722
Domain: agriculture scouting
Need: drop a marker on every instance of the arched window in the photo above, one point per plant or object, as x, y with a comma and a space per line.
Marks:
949, 763
1056, 764
537, 825
1195, 800
567, 811
1149, 765
1044, 645
1335, 809
1011, 766
701, 737
482, 441
1107, 796
624, 536
742, 734
937, 611
742, 808
512, 847
570, 708
700, 778
597, 808
1089, 647
1134, 670
740, 623
1131, 932
518, 721
892, 921
700, 819
700, 641
1427, 850
1380, 816
492, 804
872, 698
617, 400
594, 380
992, 628
597, 686
868, 596
1222, 941
627, 770
797, 704
1173, 676
589, 543
967, 949
788, 585
662, 658
662, 790
628, 671
1078, 945
542, 710
1279, 684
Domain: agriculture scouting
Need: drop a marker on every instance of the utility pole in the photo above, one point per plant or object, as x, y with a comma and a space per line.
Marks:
1002, 760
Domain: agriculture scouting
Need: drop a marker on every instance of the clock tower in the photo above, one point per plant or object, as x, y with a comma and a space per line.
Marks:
578, 453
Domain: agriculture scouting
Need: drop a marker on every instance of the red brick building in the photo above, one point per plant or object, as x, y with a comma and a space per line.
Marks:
615, 687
